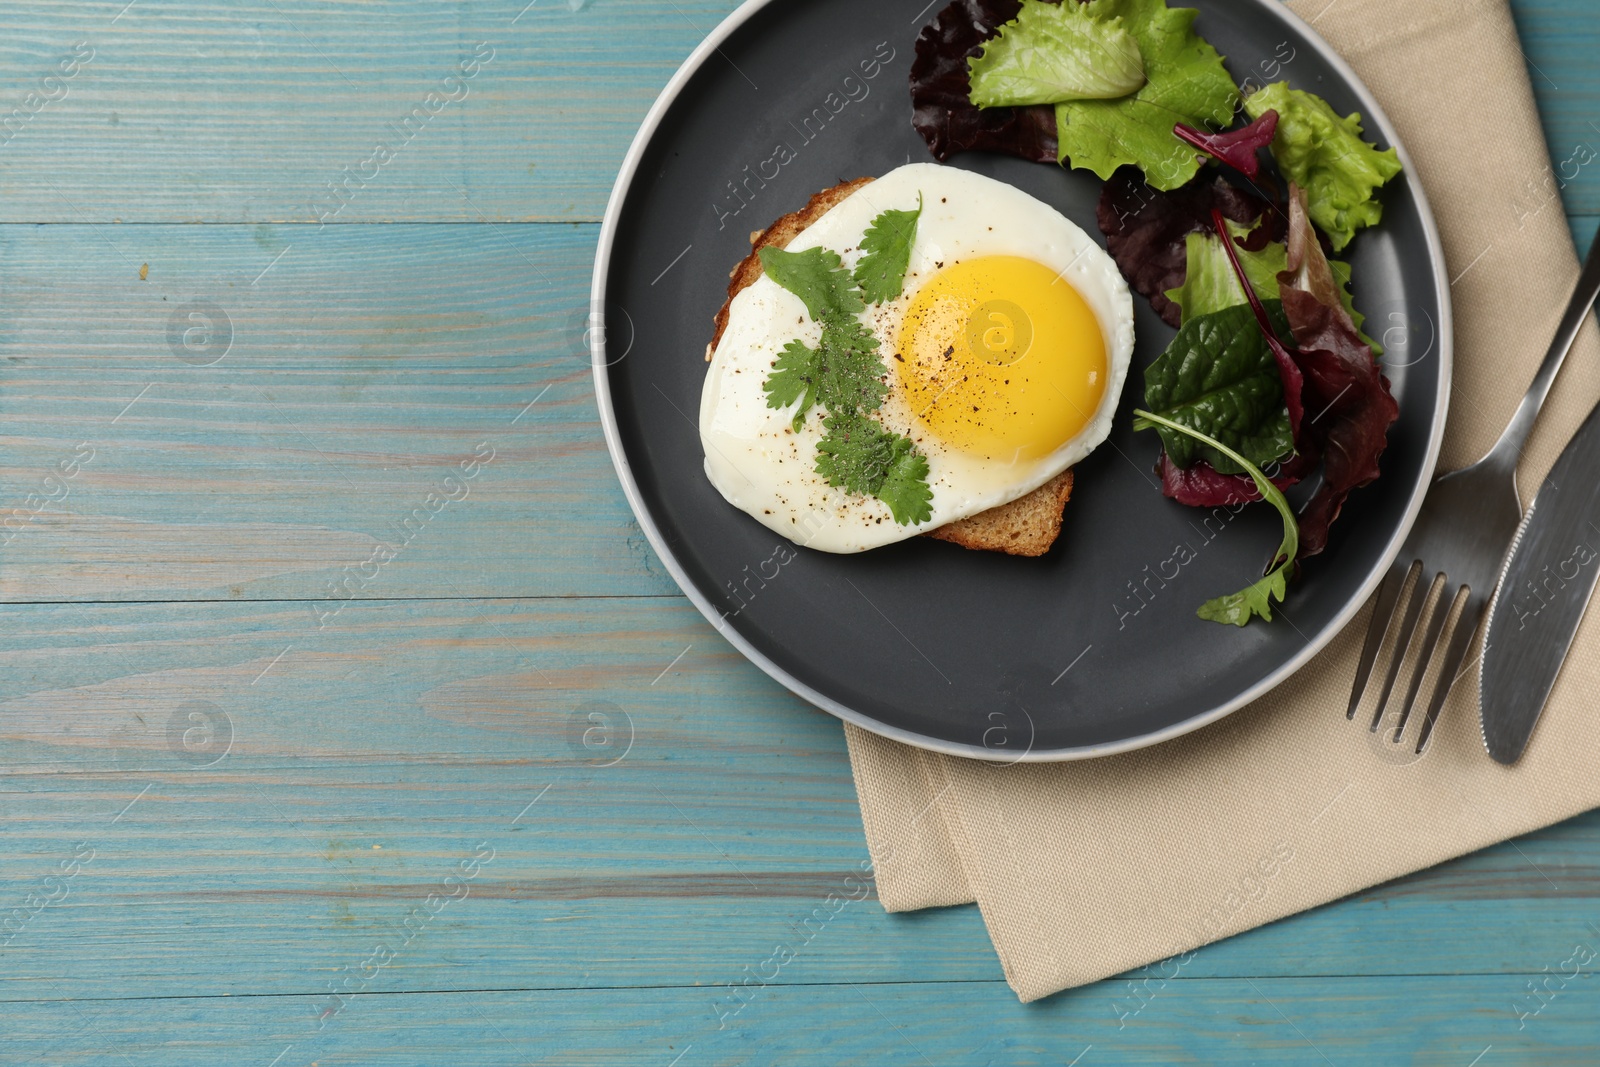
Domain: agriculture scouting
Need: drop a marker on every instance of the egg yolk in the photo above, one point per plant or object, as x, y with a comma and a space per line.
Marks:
1001, 357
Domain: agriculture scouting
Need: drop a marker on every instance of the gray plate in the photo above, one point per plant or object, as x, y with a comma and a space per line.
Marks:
1092, 649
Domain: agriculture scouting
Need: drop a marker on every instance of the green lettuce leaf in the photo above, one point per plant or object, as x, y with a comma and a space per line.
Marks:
1237, 609
1185, 82
1219, 378
1210, 284
1052, 53
1325, 155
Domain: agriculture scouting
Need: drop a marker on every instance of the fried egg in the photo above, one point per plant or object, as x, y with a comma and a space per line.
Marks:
1004, 357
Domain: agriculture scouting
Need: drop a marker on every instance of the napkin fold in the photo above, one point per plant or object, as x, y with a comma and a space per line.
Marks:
1084, 870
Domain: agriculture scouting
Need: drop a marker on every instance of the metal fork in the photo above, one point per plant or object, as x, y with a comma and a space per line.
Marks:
1459, 542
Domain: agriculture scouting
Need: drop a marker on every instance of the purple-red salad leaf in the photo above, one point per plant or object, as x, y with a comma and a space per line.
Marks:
941, 87
1351, 396
1200, 486
1237, 148
1145, 229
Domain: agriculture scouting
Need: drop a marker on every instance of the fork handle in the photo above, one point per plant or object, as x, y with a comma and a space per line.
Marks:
1508, 450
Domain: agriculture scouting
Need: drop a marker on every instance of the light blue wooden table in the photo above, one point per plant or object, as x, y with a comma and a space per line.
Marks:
271, 797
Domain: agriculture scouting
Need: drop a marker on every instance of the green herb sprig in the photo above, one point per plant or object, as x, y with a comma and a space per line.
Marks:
844, 374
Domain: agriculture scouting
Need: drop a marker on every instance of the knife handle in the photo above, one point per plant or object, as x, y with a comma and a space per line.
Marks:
1508, 450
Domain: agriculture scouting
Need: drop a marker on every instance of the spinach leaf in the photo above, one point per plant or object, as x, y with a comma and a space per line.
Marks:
1219, 378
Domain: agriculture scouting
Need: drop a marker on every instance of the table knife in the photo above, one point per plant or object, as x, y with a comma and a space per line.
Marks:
1544, 588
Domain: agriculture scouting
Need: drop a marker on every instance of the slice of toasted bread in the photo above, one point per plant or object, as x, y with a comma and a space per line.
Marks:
1028, 525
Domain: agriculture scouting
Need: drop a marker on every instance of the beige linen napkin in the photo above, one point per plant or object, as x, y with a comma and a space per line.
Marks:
1083, 870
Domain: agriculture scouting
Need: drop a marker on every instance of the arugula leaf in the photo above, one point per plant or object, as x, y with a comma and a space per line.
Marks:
1325, 154
1254, 599
794, 379
1210, 284
1186, 83
1051, 53
860, 456
881, 271
817, 276
1219, 379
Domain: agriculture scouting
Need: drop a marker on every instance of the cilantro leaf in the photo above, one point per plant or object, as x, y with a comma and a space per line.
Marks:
1254, 599
844, 373
1209, 283
1052, 53
856, 453
817, 277
1186, 83
794, 380
860, 456
905, 487
1326, 155
1219, 379
881, 271
852, 373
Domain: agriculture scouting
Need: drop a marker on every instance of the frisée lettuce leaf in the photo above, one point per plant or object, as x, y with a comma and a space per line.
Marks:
1324, 154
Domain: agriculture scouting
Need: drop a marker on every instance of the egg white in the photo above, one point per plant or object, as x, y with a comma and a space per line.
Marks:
762, 467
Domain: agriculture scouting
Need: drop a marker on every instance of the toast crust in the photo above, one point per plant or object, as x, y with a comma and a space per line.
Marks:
1028, 525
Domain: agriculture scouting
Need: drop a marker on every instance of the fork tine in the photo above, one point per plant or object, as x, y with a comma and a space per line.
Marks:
1429, 647
1460, 640
1378, 628
1408, 627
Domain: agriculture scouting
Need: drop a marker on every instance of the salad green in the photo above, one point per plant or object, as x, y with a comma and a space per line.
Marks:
1325, 155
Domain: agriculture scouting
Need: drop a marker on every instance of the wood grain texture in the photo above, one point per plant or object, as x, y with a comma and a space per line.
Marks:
255, 783
1286, 1023
333, 777
246, 111
272, 403
197, 111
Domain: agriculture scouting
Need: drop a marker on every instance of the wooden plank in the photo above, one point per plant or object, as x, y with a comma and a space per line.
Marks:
355, 370
254, 788
1556, 37
315, 434
1443, 1021
192, 111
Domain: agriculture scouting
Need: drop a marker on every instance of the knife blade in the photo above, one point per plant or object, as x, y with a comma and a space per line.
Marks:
1545, 586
